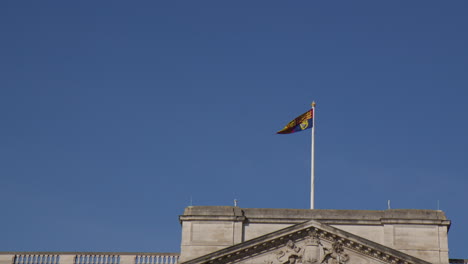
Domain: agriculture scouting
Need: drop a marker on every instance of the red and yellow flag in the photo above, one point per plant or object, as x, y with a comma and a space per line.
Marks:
300, 123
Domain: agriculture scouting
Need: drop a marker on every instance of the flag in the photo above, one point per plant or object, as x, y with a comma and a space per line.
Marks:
302, 122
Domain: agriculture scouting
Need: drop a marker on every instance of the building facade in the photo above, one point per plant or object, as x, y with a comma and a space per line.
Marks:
230, 234
224, 234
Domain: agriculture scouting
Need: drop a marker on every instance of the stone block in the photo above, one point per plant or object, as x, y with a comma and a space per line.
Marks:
7, 259
67, 259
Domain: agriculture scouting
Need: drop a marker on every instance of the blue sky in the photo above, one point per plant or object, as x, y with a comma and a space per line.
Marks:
115, 116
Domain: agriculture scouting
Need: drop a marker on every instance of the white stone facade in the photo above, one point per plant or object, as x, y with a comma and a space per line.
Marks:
418, 233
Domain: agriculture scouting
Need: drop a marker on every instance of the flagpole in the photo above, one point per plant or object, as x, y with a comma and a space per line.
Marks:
312, 159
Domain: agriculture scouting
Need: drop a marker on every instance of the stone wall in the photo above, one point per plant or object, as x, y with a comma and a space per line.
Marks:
420, 233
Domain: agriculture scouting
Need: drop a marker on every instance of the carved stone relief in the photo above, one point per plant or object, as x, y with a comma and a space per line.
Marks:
336, 254
291, 254
313, 252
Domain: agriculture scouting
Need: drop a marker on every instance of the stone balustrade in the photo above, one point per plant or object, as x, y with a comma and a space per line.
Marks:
87, 258
458, 261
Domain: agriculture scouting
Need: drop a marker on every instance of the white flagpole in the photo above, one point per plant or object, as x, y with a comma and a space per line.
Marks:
312, 160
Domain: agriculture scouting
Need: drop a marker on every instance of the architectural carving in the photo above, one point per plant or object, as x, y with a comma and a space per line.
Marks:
313, 252
313, 248
291, 254
336, 254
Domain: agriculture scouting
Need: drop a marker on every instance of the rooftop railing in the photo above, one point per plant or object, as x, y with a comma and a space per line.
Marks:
87, 258
458, 261
103, 258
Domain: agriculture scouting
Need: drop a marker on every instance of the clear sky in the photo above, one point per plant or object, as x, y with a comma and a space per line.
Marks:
116, 115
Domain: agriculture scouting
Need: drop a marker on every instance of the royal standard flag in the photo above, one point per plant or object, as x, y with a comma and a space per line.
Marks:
302, 122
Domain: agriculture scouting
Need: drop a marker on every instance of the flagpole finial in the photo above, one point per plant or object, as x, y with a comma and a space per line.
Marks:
313, 103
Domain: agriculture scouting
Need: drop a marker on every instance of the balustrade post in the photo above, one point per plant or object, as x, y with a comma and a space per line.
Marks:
7, 259
67, 259
127, 259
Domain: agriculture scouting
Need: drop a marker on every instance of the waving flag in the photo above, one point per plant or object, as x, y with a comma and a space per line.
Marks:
300, 123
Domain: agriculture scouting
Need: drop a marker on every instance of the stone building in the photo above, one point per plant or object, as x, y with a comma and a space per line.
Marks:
227, 234
223, 234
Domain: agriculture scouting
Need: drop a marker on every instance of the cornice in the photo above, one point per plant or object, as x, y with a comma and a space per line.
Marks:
327, 216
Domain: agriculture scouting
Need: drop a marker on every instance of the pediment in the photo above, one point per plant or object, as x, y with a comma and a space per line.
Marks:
310, 242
